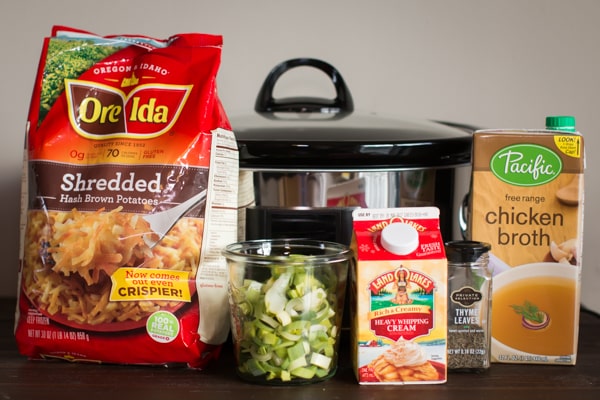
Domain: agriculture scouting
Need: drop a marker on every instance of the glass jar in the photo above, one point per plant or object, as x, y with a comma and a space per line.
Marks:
286, 298
469, 305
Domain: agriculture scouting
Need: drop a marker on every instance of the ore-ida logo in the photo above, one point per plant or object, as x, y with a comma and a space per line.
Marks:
99, 111
526, 165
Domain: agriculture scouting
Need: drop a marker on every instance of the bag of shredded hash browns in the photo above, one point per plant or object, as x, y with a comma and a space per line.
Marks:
129, 193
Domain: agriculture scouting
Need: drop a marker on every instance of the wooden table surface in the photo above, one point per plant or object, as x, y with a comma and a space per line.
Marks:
48, 380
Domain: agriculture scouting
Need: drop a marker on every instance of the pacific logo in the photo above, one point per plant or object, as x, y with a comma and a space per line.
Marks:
98, 111
526, 165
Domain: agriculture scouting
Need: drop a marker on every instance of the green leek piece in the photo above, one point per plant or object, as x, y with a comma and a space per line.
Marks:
275, 297
305, 373
320, 360
297, 351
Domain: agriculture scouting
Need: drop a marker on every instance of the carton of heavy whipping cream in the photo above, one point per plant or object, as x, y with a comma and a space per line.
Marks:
399, 289
527, 202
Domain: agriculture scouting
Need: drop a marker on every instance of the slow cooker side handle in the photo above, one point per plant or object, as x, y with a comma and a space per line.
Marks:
342, 104
463, 213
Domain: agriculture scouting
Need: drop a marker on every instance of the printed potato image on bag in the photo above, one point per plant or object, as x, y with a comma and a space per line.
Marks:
129, 193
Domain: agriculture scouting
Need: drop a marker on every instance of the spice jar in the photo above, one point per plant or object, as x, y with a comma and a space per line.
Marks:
469, 305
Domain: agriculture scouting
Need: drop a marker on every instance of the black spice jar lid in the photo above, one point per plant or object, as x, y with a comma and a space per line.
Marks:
466, 251
308, 133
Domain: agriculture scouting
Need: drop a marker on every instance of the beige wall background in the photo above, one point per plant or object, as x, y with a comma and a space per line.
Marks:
504, 63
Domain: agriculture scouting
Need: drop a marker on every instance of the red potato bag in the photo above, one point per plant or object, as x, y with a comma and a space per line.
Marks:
123, 130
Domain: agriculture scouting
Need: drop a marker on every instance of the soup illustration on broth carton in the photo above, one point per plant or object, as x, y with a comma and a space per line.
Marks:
399, 289
527, 201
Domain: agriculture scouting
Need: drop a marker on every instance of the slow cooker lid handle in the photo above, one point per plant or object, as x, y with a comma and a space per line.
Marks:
342, 104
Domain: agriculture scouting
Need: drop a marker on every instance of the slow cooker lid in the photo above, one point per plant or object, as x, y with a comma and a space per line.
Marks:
326, 134
349, 143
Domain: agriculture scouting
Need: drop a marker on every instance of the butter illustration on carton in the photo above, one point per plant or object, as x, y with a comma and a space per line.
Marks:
527, 201
399, 289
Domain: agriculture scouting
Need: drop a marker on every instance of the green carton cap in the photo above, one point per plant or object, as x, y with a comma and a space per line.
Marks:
561, 123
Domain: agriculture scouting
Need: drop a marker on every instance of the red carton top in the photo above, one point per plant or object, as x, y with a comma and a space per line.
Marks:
398, 233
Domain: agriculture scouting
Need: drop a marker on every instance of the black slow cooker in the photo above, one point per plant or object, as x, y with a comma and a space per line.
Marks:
306, 163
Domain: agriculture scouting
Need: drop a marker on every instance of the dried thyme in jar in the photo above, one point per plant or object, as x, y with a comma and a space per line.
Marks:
469, 305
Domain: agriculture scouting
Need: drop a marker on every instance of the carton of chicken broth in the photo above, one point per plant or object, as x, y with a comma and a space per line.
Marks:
527, 201
399, 285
